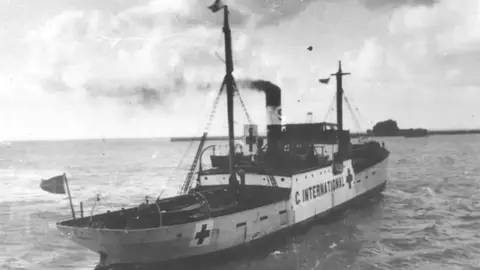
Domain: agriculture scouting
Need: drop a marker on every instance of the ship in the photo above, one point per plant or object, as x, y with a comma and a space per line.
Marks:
245, 197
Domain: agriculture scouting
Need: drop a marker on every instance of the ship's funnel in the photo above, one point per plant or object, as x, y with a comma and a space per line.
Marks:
273, 95
274, 107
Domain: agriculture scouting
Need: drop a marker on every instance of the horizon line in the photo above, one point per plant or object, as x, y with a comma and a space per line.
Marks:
194, 136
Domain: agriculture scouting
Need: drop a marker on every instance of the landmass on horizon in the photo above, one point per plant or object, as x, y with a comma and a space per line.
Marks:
387, 128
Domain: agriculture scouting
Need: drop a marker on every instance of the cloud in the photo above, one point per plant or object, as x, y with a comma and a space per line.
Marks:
431, 45
86, 68
158, 61
379, 4
141, 55
273, 12
420, 60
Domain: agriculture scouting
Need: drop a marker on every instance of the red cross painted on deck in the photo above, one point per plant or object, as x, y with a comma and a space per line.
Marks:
202, 234
349, 179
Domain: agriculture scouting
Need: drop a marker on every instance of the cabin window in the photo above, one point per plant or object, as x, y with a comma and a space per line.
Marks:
241, 224
282, 179
206, 178
312, 175
305, 176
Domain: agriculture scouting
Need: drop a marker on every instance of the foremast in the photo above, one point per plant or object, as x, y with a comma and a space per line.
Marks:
229, 81
231, 87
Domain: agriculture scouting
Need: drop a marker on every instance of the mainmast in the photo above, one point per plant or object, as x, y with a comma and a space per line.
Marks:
339, 96
229, 81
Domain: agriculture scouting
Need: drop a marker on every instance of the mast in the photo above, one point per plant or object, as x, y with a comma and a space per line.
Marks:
230, 89
229, 82
339, 97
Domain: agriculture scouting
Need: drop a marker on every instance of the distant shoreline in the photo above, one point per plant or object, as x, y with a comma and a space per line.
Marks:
353, 135
210, 138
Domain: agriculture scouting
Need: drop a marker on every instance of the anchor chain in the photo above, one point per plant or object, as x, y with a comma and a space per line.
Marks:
188, 179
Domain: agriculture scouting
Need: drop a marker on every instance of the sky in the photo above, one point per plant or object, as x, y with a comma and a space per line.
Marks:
73, 69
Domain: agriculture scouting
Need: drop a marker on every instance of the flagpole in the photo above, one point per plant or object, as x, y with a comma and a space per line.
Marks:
69, 196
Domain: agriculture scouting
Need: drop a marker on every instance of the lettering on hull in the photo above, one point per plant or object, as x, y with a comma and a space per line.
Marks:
318, 190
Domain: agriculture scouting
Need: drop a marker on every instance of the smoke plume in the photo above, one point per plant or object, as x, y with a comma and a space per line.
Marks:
272, 92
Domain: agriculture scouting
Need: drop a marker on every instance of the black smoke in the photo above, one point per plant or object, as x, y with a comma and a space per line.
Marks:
146, 93
272, 92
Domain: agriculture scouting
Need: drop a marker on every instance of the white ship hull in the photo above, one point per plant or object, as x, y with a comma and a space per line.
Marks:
313, 194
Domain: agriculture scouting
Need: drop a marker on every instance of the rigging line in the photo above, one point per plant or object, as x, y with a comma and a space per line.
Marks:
185, 187
237, 93
352, 112
192, 142
219, 57
178, 166
362, 119
330, 108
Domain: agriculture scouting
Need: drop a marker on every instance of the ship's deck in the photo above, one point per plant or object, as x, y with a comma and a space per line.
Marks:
219, 200
222, 200
363, 156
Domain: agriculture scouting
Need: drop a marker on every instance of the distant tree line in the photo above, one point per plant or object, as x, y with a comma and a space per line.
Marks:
390, 128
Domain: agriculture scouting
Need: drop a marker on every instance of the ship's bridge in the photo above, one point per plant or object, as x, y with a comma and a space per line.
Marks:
290, 147
311, 133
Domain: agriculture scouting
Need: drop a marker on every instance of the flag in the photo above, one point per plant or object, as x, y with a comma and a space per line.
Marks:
216, 6
54, 185
325, 81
